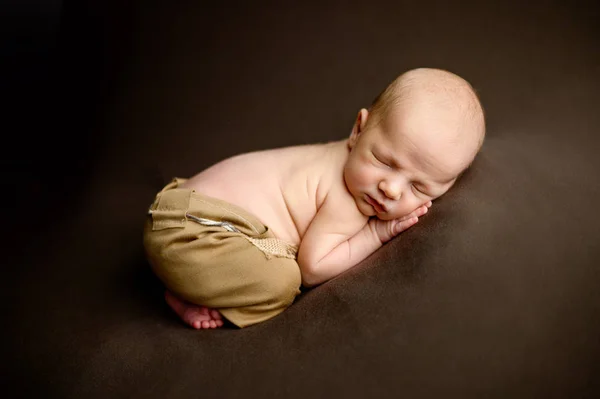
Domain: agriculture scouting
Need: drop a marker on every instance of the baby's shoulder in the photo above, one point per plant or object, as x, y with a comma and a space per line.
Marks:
313, 166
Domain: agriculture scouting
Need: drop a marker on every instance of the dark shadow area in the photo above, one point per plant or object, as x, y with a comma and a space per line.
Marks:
139, 286
61, 62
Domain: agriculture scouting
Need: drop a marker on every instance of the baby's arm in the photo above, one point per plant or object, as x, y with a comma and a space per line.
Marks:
331, 245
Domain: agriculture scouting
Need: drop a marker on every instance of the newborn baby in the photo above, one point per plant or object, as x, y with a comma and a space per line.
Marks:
238, 240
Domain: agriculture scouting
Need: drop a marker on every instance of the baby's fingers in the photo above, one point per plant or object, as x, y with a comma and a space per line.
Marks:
405, 224
420, 211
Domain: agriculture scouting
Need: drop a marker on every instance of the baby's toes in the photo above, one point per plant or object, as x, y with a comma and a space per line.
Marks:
215, 314
192, 318
192, 314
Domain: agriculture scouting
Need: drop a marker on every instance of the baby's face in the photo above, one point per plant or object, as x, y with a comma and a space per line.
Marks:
403, 162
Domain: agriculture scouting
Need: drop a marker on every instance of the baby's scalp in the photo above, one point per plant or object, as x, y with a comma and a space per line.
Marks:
433, 93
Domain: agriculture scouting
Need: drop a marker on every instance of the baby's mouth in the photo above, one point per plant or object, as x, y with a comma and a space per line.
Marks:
379, 208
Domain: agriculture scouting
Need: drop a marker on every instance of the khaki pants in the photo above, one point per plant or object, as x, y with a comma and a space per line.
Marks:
215, 254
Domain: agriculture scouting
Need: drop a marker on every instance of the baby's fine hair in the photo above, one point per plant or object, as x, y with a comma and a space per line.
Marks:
443, 85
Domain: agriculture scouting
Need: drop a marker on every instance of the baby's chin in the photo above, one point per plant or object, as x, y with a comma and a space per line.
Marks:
384, 216
370, 212
388, 215
365, 209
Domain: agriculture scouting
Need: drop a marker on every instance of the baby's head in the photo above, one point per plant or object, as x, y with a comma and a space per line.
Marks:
409, 148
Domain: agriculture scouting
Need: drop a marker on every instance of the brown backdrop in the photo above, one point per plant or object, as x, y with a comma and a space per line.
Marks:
493, 294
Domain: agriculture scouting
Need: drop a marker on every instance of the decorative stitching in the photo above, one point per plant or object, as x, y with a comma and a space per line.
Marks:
227, 210
175, 183
208, 222
268, 246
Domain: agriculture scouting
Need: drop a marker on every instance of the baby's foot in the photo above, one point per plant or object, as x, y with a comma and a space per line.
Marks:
194, 315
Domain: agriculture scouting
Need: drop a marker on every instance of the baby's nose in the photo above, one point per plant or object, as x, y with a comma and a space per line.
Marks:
392, 191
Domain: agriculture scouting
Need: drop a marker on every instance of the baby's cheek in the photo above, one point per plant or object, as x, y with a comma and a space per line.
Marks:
404, 208
398, 213
364, 179
358, 176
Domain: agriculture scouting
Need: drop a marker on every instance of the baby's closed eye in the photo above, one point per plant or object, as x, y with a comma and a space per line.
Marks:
380, 160
420, 190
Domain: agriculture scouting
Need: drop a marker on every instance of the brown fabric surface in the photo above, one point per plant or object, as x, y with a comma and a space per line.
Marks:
493, 294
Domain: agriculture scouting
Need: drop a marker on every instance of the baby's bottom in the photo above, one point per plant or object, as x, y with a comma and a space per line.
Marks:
219, 257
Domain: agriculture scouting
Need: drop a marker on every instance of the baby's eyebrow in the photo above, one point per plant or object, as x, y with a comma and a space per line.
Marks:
391, 159
396, 164
442, 184
420, 164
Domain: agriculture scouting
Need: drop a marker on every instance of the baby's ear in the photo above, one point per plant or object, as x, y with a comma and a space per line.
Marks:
359, 125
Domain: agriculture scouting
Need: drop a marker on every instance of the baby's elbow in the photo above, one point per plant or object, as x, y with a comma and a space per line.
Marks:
309, 281
309, 274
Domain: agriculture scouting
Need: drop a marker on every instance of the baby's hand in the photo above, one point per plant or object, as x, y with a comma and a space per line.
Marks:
388, 229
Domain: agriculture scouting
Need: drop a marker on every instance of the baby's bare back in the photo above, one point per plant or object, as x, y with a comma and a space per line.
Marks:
284, 188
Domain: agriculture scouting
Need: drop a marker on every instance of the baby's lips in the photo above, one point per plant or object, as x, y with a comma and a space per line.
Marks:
385, 208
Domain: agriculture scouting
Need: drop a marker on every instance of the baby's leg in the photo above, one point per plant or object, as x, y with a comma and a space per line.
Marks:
194, 315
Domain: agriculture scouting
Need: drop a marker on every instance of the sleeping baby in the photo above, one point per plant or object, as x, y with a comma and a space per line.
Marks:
236, 241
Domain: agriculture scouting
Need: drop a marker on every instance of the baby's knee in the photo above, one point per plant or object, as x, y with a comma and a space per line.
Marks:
284, 285
272, 291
